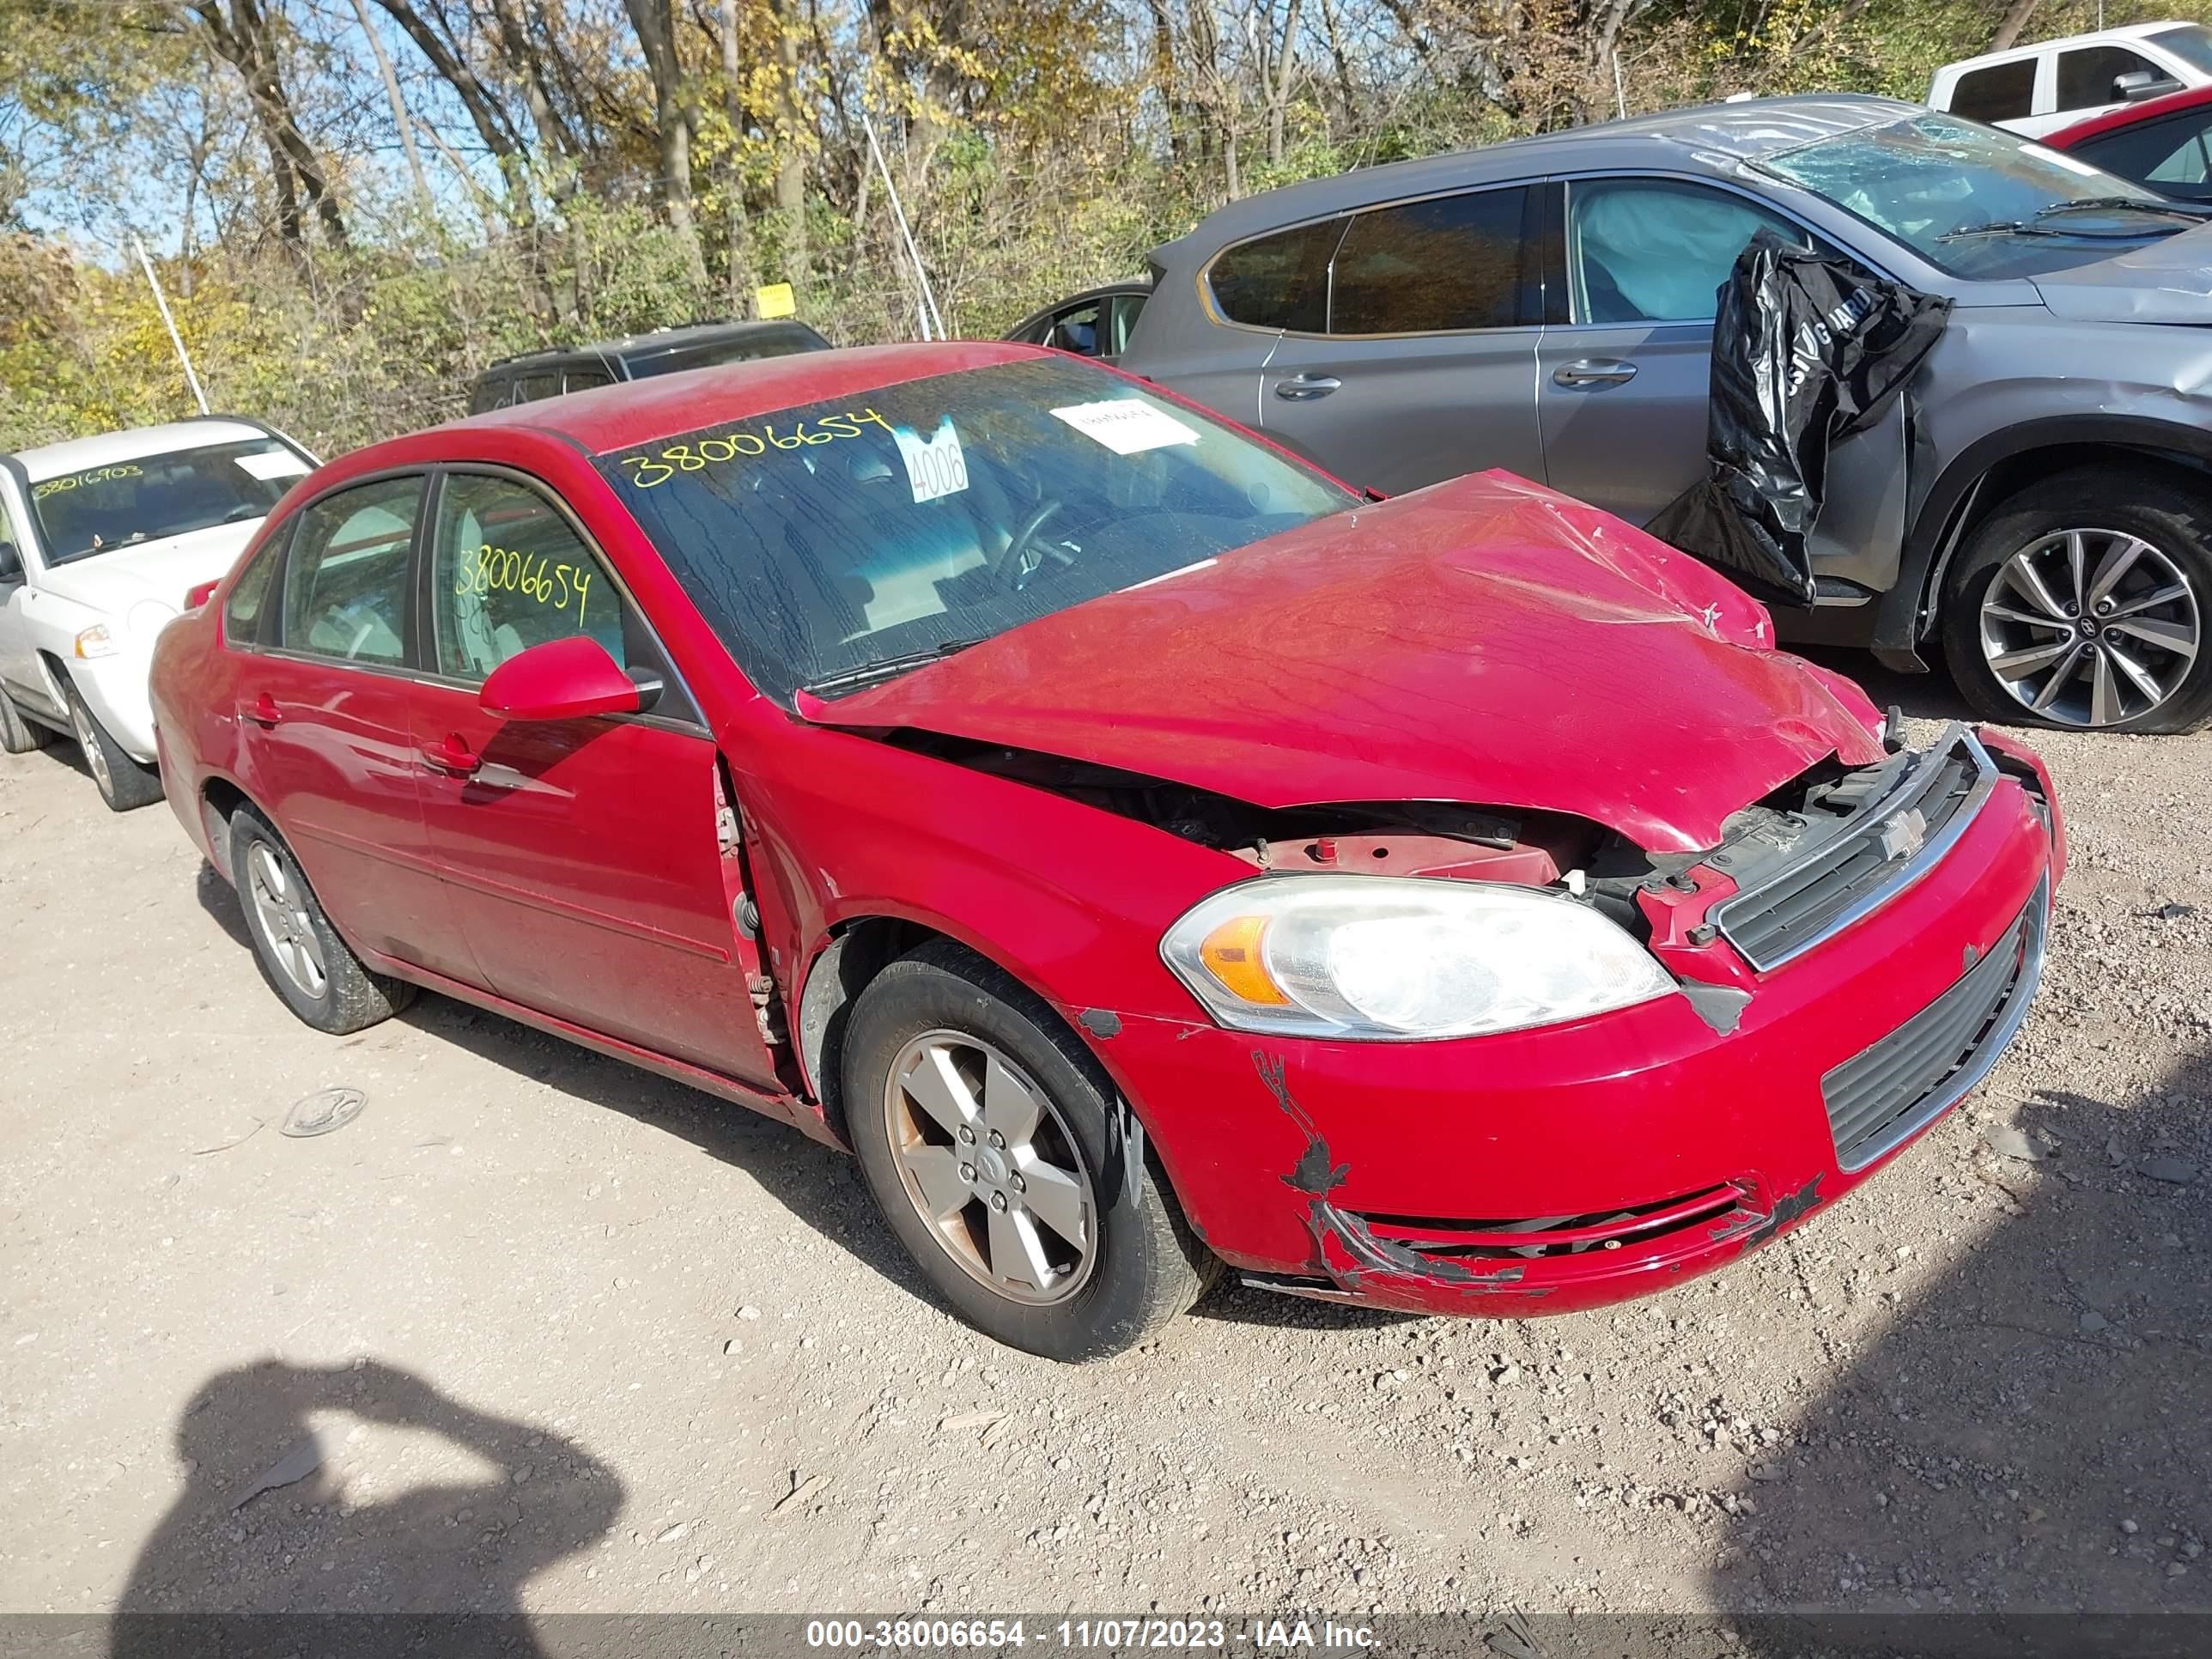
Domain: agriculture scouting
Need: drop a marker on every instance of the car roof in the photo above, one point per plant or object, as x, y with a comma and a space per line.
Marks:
2087, 38
2128, 115
75, 455
658, 339
641, 411
1710, 138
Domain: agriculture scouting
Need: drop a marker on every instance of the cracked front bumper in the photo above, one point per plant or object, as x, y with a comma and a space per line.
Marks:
1635, 1150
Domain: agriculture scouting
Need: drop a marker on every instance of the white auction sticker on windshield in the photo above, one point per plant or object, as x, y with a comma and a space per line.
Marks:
1128, 426
934, 466
276, 464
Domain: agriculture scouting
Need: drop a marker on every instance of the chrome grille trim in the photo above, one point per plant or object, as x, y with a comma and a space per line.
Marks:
1733, 914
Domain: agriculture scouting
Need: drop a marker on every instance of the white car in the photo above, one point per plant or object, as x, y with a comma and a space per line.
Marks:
2037, 89
102, 542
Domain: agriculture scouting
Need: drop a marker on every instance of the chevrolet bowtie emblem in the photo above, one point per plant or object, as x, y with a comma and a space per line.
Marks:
1904, 834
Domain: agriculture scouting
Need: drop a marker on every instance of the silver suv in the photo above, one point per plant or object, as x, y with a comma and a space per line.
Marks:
2041, 508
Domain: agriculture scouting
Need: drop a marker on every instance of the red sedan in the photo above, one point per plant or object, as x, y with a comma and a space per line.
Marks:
1143, 851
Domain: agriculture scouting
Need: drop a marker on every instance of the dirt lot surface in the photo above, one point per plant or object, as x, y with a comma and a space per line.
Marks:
570, 1337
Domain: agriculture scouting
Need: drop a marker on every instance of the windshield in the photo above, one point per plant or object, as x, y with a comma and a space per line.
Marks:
832, 544
1927, 177
2191, 42
100, 509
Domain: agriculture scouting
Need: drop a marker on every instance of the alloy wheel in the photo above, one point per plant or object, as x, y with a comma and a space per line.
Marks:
95, 757
990, 1167
280, 904
2090, 628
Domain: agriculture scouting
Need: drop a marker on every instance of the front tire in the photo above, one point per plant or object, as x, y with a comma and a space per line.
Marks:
302, 955
994, 1145
123, 783
2084, 602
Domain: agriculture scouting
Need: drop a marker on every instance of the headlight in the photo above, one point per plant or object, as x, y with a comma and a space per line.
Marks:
149, 617
96, 641
1391, 958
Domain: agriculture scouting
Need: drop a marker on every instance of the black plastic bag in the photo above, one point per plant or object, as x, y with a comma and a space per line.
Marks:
1807, 350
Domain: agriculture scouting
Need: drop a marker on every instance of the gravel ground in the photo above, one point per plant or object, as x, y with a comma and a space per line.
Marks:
570, 1338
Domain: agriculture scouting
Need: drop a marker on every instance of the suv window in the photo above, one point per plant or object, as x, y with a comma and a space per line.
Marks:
583, 379
1648, 250
2087, 73
1451, 263
490, 394
345, 585
2003, 92
1280, 281
509, 571
1123, 311
530, 387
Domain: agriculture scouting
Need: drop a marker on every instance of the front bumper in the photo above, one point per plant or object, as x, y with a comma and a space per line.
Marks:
1565, 1168
115, 689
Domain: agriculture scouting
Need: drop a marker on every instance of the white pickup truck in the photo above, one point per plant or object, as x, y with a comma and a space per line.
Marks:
102, 541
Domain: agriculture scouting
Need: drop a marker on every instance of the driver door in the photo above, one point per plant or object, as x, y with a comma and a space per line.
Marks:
589, 861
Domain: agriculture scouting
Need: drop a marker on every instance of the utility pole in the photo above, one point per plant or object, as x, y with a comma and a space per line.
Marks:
161, 300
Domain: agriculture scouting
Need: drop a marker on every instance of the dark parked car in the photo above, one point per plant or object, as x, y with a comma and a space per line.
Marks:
2041, 505
2163, 143
1096, 323
527, 379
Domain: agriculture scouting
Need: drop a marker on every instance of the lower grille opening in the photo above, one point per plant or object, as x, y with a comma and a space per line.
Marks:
1888, 1092
1560, 1235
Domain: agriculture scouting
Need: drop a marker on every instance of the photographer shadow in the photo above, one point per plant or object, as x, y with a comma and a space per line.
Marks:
268, 1549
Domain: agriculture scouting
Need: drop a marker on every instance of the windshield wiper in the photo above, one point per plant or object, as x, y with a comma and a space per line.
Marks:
2131, 204
2029, 227
884, 668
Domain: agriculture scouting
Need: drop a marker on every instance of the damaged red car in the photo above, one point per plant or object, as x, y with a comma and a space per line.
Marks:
1144, 852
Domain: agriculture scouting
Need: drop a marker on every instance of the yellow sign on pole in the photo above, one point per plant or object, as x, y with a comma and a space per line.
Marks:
776, 300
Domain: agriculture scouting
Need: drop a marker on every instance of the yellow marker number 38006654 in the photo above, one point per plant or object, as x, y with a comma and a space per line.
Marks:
491, 570
697, 454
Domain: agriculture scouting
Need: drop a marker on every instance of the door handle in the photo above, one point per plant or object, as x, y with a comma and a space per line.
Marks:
264, 711
1588, 371
1301, 387
450, 755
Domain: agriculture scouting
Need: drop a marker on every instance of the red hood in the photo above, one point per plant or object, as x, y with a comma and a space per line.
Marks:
1484, 642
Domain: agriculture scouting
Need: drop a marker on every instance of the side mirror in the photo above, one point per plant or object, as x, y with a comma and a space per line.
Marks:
11, 565
569, 679
2138, 84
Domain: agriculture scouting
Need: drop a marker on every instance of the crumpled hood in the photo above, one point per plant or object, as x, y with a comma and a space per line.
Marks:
165, 570
2168, 281
1484, 642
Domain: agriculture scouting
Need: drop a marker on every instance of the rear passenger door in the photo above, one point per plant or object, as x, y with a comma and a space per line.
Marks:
1420, 365
1624, 375
323, 699
1251, 293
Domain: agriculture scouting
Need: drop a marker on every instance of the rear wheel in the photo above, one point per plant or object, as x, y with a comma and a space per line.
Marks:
123, 783
2084, 602
998, 1152
19, 734
302, 955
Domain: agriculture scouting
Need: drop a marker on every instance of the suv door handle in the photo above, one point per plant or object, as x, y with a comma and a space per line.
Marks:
1594, 371
263, 710
450, 755
1301, 387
